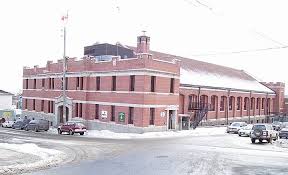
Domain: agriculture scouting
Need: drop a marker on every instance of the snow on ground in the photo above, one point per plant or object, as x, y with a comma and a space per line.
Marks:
165, 134
47, 157
282, 143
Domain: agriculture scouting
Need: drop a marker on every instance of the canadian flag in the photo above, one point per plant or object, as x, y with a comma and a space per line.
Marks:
64, 18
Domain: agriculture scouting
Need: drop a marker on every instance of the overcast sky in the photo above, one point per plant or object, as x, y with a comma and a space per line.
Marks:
207, 30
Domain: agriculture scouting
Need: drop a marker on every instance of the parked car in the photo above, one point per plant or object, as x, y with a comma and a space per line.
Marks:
283, 133
276, 125
20, 124
72, 127
2, 120
245, 131
263, 132
235, 127
37, 125
283, 125
8, 124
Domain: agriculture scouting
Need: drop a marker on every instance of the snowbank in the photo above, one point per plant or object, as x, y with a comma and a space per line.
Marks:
166, 134
47, 157
282, 143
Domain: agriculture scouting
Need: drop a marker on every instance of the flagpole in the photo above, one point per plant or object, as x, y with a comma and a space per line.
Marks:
64, 72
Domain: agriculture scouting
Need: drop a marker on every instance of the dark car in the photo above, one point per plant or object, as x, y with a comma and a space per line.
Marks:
37, 125
72, 127
283, 133
276, 125
20, 124
262, 132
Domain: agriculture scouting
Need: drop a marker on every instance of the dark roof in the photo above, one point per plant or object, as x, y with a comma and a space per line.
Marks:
5, 93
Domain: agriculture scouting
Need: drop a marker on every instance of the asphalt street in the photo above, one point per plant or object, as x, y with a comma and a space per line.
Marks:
207, 155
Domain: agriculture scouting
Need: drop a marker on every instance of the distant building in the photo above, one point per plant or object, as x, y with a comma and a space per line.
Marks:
147, 91
5, 100
6, 106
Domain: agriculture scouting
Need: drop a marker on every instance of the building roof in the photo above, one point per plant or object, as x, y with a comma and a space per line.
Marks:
5, 93
199, 73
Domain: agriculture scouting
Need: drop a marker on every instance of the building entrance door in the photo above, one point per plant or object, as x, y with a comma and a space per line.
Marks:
61, 116
171, 119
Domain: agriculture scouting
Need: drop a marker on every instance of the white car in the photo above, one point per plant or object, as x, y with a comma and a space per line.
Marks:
245, 131
8, 124
235, 127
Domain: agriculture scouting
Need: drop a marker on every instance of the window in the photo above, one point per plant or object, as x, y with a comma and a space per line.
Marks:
52, 107
52, 83
34, 84
131, 115
76, 109
152, 116
81, 83
97, 83
34, 104
26, 83
132, 82
97, 111
252, 104
112, 113
80, 110
42, 105
26, 103
113, 83
246, 100
231, 99
49, 83
153, 83
213, 103
222, 103
172, 85
263, 103
258, 102
66, 83
192, 102
49, 109
43, 83
238, 103
77, 83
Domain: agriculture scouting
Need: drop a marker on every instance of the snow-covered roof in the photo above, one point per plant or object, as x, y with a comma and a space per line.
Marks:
204, 78
199, 73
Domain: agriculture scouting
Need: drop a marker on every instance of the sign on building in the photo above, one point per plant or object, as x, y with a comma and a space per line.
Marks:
104, 114
121, 116
162, 114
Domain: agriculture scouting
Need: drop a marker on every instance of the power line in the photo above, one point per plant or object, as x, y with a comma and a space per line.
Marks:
243, 51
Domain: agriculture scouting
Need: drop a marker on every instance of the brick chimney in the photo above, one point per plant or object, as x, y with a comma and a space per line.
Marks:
143, 43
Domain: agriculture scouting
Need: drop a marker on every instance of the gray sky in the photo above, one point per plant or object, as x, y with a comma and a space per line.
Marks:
207, 30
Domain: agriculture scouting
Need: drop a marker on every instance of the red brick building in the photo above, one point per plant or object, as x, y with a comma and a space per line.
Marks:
152, 91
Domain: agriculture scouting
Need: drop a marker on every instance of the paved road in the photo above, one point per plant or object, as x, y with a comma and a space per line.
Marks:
207, 155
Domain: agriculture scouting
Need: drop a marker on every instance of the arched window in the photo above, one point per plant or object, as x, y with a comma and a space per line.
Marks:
252, 104
192, 102
239, 101
231, 103
246, 103
258, 103
263, 103
223, 102
214, 98
203, 101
